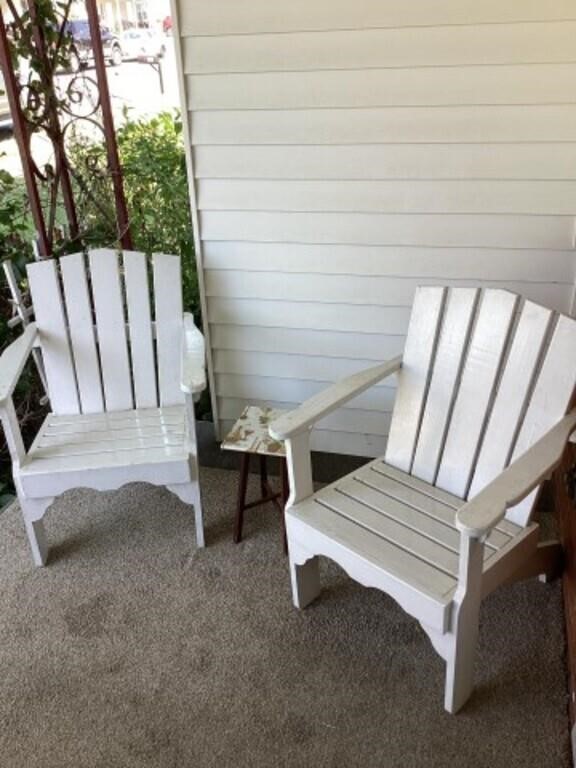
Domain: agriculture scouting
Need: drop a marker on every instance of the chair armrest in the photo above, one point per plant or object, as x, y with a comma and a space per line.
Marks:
13, 360
193, 372
328, 400
486, 509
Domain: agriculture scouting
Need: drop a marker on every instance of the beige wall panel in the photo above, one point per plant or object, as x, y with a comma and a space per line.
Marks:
331, 441
502, 123
414, 196
242, 387
312, 316
299, 367
344, 419
394, 261
266, 388
544, 43
539, 232
366, 346
224, 17
425, 86
359, 290
543, 161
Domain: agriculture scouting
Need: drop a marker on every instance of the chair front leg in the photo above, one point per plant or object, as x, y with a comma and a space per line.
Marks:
304, 572
304, 575
12, 434
192, 492
33, 511
463, 635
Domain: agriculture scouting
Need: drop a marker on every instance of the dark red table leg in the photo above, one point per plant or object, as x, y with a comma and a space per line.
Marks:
264, 489
241, 501
267, 495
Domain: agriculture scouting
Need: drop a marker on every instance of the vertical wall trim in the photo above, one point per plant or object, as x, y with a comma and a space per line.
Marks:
573, 303
187, 135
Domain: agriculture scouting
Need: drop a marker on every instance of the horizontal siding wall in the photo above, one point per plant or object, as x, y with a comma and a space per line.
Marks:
346, 151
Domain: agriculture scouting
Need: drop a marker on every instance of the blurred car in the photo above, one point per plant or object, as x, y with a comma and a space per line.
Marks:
140, 43
82, 51
5, 117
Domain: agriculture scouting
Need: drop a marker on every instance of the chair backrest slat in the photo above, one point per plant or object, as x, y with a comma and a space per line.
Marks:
52, 326
111, 329
450, 355
97, 330
414, 376
81, 327
168, 314
477, 386
550, 400
140, 327
530, 338
479, 392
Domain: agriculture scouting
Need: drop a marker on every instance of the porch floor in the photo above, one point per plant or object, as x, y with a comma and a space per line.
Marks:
133, 650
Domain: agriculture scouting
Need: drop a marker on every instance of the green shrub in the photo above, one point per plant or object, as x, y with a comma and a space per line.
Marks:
16, 230
155, 183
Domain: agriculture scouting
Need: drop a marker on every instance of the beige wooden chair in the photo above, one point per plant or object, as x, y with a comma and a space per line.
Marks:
445, 516
121, 384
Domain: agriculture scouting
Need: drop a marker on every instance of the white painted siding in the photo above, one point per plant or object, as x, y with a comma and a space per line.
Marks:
345, 151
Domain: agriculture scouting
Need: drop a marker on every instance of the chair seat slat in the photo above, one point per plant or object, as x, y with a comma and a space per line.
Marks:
114, 436
102, 459
432, 508
94, 439
403, 537
409, 517
124, 446
116, 419
399, 563
434, 492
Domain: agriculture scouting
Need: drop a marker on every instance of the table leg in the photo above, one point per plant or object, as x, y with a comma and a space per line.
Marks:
264, 490
241, 501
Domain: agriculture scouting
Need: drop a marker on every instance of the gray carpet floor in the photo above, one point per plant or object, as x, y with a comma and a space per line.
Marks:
133, 650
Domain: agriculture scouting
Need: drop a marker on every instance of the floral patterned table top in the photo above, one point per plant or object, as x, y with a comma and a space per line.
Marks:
250, 433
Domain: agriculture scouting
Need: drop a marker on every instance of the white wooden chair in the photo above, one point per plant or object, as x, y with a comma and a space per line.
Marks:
121, 385
445, 517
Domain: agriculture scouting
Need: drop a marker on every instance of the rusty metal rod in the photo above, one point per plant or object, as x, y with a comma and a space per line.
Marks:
22, 136
61, 164
122, 219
